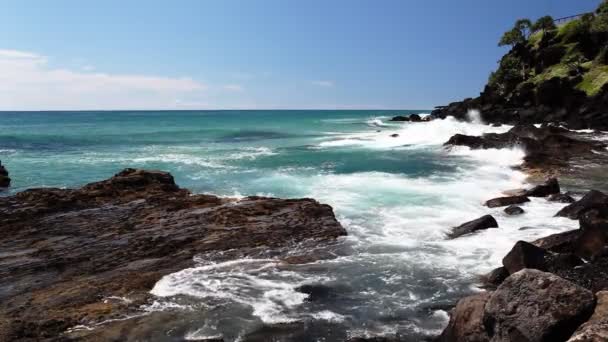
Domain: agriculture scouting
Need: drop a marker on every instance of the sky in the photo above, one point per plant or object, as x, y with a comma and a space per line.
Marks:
254, 54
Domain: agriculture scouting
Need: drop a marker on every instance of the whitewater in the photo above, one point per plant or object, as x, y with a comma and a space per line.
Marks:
397, 197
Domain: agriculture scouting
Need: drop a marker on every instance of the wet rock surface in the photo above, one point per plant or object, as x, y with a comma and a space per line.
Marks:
484, 222
466, 320
596, 328
506, 201
5, 180
66, 253
513, 210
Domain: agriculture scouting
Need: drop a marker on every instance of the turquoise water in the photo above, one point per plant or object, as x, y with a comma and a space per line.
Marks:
396, 196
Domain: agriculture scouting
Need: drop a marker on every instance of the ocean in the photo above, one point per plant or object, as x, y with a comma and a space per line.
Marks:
395, 273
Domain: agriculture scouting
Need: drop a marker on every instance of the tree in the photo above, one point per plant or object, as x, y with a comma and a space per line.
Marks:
518, 34
512, 37
544, 23
600, 22
524, 26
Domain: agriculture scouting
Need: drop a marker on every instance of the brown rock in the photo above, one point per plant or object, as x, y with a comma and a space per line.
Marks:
505, 201
550, 187
524, 255
514, 210
65, 250
592, 200
466, 320
532, 305
594, 237
596, 328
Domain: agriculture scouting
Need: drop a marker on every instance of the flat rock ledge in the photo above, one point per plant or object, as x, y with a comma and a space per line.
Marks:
64, 251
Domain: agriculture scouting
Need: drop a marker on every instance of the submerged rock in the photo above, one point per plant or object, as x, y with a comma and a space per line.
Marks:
484, 222
592, 200
561, 198
505, 201
415, 118
531, 305
66, 250
466, 320
514, 210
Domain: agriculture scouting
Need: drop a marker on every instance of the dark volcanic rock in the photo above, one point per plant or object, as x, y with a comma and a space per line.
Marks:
400, 118
592, 200
466, 320
514, 210
524, 255
5, 180
64, 251
561, 198
532, 305
415, 118
596, 328
394, 135
505, 201
550, 187
484, 222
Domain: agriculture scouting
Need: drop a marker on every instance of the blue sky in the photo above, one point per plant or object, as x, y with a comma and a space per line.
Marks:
254, 54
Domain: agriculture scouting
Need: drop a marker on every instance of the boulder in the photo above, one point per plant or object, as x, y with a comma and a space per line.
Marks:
415, 118
317, 292
505, 201
400, 118
561, 198
466, 320
560, 242
394, 135
592, 200
596, 328
514, 210
484, 222
532, 305
524, 255
550, 187
594, 237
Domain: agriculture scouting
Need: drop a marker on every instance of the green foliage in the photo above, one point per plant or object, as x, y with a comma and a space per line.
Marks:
544, 24
512, 37
573, 31
508, 75
594, 80
524, 26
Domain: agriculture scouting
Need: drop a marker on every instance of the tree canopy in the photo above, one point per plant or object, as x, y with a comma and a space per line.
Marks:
544, 24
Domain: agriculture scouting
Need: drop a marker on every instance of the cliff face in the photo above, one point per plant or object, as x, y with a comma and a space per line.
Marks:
555, 75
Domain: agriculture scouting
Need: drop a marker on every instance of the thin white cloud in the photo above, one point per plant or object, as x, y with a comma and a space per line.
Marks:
27, 82
233, 87
323, 83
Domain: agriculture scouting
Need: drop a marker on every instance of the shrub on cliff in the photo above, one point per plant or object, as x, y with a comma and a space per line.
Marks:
544, 24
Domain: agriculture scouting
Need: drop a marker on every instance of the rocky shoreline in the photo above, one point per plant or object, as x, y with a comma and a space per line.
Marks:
82, 257
554, 288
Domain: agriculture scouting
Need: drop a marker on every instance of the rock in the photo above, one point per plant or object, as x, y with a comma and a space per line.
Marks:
524, 255
427, 118
415, 118
65, 250
550, 187
466, 320
531, 305
318, 292
514, 210
560, 243
592, 200
561, 198
505, 201
400, 118
395, 135
5, 180
596, 328
495, 277
484, 222
594, 237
